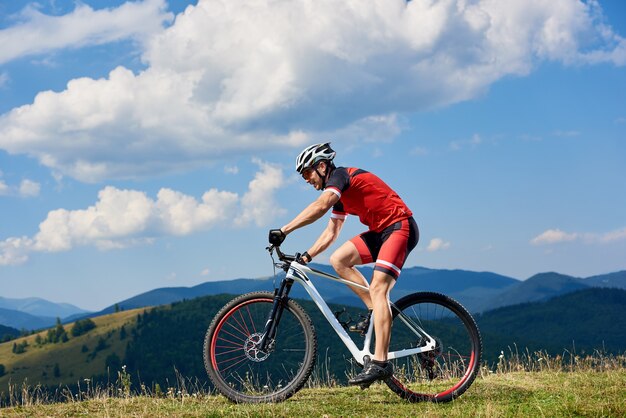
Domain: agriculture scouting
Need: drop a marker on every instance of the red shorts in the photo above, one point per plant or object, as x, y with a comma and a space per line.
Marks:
390, 247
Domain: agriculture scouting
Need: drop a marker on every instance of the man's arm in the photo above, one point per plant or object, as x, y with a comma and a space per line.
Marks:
313, 212
327, 237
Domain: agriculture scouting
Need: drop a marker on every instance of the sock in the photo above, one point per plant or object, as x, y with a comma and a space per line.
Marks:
380, 363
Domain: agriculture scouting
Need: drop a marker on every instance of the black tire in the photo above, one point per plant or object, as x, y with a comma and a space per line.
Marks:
445, 373
246, 375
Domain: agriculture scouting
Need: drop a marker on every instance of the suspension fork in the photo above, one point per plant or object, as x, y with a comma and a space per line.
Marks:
281, 297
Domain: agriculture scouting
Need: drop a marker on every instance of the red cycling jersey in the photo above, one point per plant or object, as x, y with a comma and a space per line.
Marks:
363, 194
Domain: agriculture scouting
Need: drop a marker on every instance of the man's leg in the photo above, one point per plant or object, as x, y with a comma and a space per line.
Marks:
379, 368
379, 291
343, 261
397, 241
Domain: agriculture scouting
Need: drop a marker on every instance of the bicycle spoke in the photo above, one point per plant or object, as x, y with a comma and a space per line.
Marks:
436, 374
240, 369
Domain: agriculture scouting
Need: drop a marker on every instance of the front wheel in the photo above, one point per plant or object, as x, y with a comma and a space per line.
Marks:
448, 370
242, 372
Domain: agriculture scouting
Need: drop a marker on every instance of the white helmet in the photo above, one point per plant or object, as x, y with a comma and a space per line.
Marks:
313, 154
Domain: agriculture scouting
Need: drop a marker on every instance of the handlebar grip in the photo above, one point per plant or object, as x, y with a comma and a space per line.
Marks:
276, 237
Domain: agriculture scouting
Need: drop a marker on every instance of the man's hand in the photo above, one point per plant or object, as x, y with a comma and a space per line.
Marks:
277, 236
304, 258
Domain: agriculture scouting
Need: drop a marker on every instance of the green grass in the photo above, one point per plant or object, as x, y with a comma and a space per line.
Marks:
521, 384
514, 394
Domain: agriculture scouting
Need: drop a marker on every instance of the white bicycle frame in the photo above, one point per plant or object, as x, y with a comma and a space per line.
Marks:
298, 272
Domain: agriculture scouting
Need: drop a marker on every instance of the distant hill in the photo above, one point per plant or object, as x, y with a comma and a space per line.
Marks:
477, 291
34, 313
537, 288
584, 320
469, 287
472, 289
21, 320
41, 307
12, 332
617, 280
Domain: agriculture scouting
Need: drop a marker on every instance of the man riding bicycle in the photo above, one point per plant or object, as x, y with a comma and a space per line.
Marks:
392, 234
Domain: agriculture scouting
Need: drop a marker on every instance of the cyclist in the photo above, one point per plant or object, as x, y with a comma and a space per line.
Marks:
392, 234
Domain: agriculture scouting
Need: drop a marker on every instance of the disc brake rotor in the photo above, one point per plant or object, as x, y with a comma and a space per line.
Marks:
251, 350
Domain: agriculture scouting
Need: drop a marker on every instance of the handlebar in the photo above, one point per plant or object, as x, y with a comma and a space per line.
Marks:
281, 256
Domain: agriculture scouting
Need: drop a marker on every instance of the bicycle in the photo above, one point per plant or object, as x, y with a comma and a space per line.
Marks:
262, 346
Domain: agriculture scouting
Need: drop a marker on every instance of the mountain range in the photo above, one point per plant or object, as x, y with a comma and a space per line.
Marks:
34, 313
477, 291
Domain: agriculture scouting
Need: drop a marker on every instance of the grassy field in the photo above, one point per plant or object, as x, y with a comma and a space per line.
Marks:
515, 394
75, 358
521, 384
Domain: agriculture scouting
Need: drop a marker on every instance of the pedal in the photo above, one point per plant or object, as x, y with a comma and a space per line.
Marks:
344, 324
362, 325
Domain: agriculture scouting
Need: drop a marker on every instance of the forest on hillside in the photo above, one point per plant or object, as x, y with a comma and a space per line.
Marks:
167, 342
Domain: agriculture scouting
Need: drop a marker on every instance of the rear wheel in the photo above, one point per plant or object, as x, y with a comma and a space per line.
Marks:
441, 374
239, 369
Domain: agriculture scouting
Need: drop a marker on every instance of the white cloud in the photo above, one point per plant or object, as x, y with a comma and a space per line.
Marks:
180, 214
14, 250
117, 215
29, 188
555, 236
232, 77
612, 236
231, 169
122, 218
380, 128
437, 244
4, 189
37, 33
258, 205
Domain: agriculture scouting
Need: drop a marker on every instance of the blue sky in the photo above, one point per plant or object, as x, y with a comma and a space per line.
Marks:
151, 143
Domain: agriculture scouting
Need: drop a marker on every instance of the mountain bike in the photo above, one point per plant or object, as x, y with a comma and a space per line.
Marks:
262, 346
